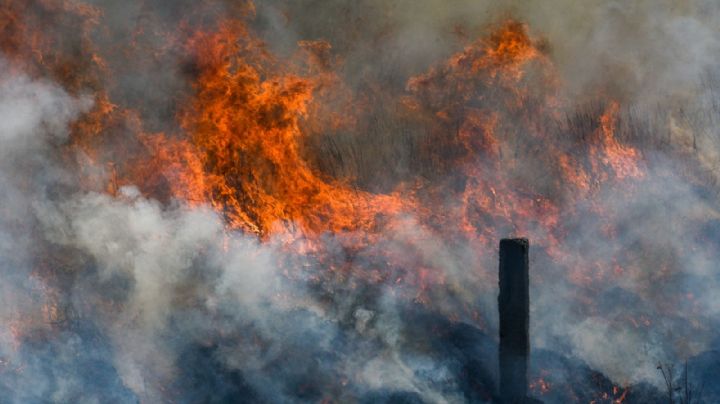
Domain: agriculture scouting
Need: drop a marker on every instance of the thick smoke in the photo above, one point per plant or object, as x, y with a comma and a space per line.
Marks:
124, 297
156, 297
35, 117
664, 259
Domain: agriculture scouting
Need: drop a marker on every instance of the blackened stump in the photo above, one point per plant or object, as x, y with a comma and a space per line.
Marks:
514, 305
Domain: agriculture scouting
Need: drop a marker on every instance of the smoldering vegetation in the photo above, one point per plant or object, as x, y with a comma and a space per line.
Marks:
136, 298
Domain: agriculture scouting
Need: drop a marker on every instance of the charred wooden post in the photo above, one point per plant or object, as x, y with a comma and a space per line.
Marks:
514, 307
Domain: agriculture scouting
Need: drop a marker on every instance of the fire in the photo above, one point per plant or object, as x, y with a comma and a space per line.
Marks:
240, 136
618, 396
509, 48
540, 386
237, 140
622, 159
247, 134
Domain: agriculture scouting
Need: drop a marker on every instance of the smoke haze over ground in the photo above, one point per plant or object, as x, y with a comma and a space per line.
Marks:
300, 201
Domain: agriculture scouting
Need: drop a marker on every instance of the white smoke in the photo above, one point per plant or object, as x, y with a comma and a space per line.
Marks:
34, 118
